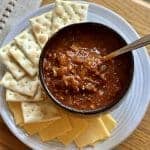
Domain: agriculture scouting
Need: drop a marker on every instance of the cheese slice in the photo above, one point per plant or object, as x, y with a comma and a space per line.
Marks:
109, 122
78, 126
33, 128
15, 108
95, 131
56, 129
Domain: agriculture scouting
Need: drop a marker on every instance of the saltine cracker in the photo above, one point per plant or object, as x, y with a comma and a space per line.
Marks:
68, 12
22, 60
42, 29
29, 46
39, 112
12, 96
12, 66
26, 86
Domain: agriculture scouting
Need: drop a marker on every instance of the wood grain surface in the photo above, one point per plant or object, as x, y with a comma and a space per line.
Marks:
138, 14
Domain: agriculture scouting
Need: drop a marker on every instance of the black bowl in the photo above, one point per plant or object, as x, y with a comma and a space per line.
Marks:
80, 26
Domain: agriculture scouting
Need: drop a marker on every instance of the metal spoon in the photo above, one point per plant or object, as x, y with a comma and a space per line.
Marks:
145, 40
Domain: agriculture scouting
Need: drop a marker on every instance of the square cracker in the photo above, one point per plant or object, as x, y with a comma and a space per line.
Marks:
13, 67
26, 86
29, 46
39, 112
68, 12
22, 60
17, 97
41, 26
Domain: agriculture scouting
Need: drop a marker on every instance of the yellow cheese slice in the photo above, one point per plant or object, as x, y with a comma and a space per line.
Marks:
33, 128
109, 122
78, 126
57, 128
95, 131
15, 108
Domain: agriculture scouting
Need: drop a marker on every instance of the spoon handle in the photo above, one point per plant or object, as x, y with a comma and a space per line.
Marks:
134, 45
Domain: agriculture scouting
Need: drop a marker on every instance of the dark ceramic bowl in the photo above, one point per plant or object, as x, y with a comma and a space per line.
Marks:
80, 26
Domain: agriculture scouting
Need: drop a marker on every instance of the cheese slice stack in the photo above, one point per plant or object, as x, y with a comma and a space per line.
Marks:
96, 131
56, 129
78, 126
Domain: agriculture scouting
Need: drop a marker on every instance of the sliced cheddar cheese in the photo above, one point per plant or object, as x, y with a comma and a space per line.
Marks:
15, 108
95, 131
56, 129
33, 128
109, 122
78, 126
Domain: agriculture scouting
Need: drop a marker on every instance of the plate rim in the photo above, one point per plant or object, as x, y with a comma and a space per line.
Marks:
95, 5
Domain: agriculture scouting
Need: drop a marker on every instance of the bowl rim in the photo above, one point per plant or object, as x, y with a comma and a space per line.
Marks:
103, 109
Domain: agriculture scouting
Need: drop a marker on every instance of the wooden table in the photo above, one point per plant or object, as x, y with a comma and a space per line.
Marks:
138, 14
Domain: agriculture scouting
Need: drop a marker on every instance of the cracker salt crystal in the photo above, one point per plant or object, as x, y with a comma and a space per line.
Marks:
29, 46
68, 12
26, 86
41, 26
17, 97
13, 67
22, 60
39, 112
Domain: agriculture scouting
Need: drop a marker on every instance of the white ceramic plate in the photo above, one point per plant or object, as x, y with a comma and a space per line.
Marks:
135, 103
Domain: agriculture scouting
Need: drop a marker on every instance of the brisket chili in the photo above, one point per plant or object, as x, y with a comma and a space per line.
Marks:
75, 73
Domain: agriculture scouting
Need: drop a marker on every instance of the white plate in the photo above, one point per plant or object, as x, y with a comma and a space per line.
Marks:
128, 114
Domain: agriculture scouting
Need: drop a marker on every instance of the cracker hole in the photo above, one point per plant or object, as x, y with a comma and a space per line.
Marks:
81, 19
82, 7
29, 46
46, 17
72, 5
38, 20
